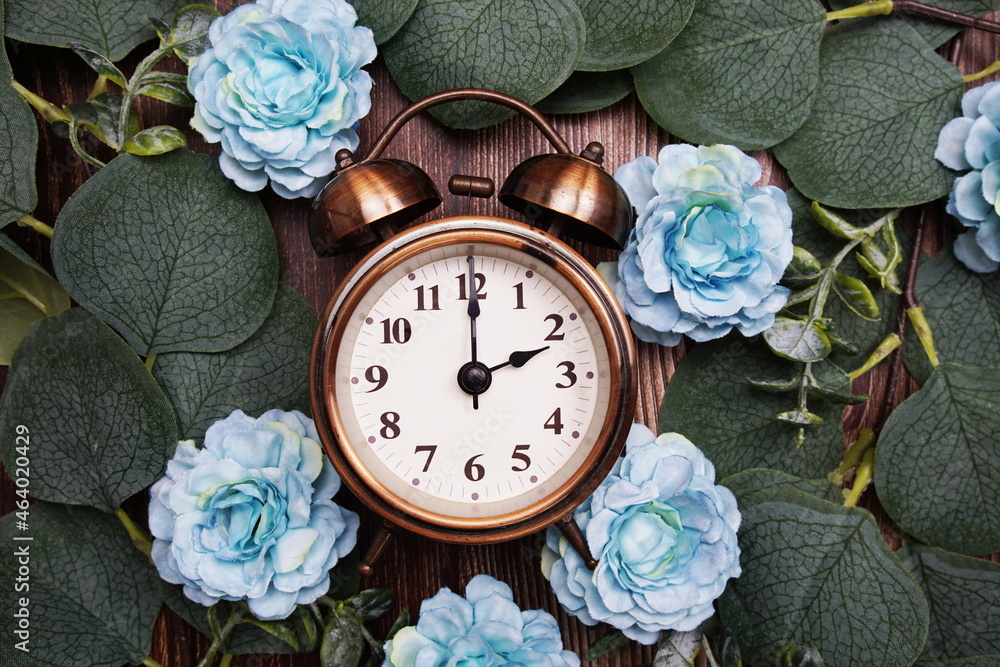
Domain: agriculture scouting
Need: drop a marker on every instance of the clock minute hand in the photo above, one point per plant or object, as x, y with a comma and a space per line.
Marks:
473, 311
519, 358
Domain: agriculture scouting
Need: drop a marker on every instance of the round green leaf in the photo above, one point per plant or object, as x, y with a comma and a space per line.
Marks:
964, 597
342, 643
934, 31
710, 401
797, 340
963, 310
741, 73
155, 140
745, 484
621, 35
937, 465
525, 48
110, 27
818, 574
268, 370
100, 428
882, 98
384, 17
92, 595
18, 145
588, 91
169, 252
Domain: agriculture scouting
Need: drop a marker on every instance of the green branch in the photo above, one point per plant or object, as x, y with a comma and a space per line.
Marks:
49, 111
140, 538
28, 220
239, 612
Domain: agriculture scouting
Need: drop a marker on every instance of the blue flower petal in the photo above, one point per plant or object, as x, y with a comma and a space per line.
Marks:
950, 149
969, 253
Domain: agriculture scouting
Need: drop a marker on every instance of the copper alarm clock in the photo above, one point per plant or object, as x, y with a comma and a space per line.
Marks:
473, 378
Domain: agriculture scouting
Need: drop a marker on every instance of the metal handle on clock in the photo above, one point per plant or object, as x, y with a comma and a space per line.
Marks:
571, 531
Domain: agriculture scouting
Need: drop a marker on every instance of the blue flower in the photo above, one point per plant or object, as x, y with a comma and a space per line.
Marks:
483, 629
665, 537
708, 248
972, 141
282, 88
249, 516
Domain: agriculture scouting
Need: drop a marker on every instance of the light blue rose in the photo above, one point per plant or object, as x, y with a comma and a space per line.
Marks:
972, 141
483, 629
665, 537
282, 88
249, 516
708, 248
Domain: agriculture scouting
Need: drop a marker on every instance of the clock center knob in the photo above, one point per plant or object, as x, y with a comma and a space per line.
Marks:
474, 378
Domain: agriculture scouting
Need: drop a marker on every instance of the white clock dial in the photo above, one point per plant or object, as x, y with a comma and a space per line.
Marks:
477, 451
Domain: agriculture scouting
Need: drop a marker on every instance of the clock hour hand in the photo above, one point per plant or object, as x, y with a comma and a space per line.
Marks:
520, 358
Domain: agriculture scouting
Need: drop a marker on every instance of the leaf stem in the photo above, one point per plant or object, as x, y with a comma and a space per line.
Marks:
29, 220
132, 87
865, 441
924, 333
226, 660
49, 111
140, 539
873, 8
100, 87
862, 478
982, 74
149, 662
239, 612
150, 360
74, 141
946, 15
881, 353
910, 304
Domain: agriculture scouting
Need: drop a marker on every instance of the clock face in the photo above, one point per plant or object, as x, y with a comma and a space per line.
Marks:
471, 379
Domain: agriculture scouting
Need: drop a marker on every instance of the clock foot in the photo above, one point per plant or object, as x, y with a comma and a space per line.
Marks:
571, 531
375, 549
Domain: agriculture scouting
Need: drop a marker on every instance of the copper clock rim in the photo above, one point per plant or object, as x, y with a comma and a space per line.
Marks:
449, 232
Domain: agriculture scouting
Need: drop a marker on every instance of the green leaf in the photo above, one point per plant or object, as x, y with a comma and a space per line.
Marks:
798, 656
962, 593
856, 296
268, 370
345, 580
27, 294
882, 98
937, 467
245, 638
18, 146
100, 64
102, 429
525, 48
678, 650
800, 417
832, 384
170, 252
835, 223
342, 643
92, 596
741, 73
820, 575
372, 603
963, 310
282, 630
402, 621
864, 334
155, 140
587, 91
189, 32
621, 35
708, 401
797, 340
612, 640
384, 17
935, 32
111, 27
100, 116
745, 484
174, 93
803, 264
18, 316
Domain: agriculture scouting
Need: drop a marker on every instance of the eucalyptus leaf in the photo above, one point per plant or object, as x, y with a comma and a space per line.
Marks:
18, 146
963, 310
173, 93
384, 17
110, 27
245, 638
621, 35
6, 73
170, 252
282, 630
8, 244
612, 640
372, 603
268, 370
797, 340
856, 296
882, 98
100, 64
102, 429
155, 140
709, 401
678, 650
937, 466
189, 31
18, 316
745, 484
27, 294
342, 643
742, 73
964, 599
587, 91
525, 48
818, 574
92, 595
934, 31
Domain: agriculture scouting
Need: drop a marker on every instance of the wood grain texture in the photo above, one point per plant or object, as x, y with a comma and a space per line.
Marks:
413, 567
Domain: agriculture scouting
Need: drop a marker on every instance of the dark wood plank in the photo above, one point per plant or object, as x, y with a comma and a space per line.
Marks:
416, 568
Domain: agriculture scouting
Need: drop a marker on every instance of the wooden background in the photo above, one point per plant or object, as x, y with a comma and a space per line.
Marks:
416, 568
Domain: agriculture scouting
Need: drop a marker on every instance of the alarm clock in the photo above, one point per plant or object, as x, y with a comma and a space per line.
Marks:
473, 378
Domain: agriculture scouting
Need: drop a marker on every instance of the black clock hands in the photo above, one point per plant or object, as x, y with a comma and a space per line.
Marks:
474, 378
520, 358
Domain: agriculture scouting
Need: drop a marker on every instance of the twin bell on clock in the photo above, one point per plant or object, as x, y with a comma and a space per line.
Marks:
473, 378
